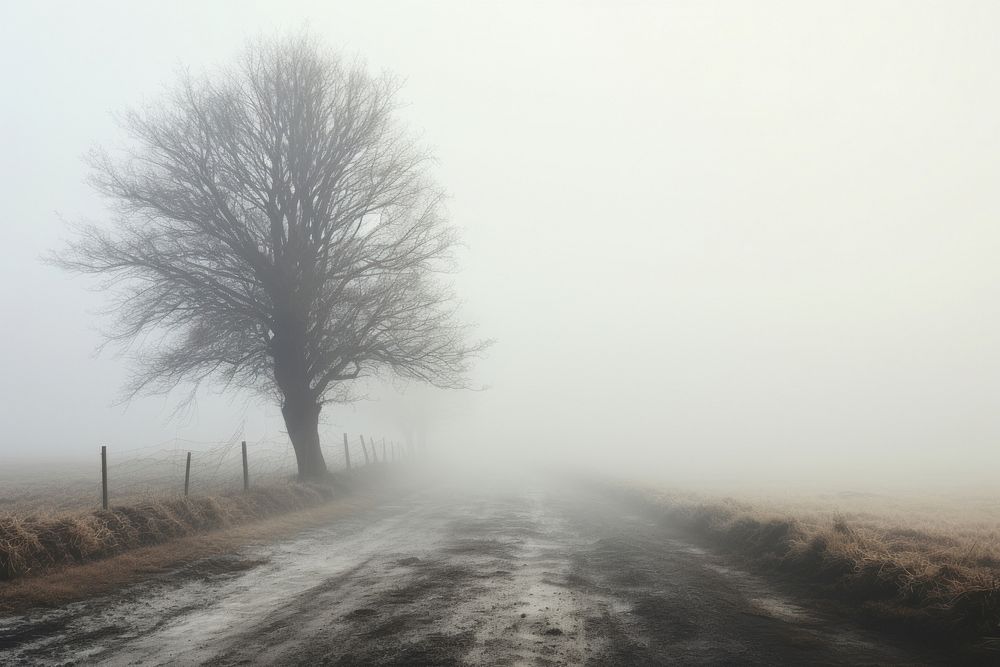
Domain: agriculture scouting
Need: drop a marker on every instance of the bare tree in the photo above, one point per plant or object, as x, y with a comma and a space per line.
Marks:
277, 231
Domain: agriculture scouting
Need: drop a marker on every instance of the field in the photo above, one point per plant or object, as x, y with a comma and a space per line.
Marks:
138, 474
927, 563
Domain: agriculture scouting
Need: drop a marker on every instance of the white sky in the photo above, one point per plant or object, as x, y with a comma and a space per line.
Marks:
717, 239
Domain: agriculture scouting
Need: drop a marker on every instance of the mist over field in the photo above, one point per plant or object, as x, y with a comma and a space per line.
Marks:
714, 242
572, 332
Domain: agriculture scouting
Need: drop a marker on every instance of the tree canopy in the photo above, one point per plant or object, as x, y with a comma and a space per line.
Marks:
276, 229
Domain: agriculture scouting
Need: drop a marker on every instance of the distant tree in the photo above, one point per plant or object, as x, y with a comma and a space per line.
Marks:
277, 231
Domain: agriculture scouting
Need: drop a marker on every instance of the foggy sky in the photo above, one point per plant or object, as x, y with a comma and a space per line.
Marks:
712, 240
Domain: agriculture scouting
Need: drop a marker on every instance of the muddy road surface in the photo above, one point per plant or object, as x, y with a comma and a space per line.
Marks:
484, 574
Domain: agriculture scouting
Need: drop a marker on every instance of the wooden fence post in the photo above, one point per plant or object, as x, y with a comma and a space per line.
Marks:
374, 449
187, 474
383, 450
347, 454
364, 449
104, 476
246, 470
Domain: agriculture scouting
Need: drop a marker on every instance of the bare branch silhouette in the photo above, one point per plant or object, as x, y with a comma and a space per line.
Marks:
276, 230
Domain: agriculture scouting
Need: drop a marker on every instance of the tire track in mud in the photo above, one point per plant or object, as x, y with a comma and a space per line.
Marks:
494, 589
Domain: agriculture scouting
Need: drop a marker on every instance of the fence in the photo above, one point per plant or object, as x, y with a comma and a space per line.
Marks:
224, 467
126, 475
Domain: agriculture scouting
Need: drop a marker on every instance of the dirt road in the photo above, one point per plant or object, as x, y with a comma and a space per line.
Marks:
479, 575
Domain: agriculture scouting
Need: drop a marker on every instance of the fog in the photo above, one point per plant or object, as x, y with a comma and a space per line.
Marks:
714, 242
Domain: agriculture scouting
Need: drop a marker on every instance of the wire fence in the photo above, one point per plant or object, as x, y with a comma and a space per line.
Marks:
160, 469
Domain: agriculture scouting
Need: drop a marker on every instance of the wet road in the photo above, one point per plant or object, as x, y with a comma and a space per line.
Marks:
480, 575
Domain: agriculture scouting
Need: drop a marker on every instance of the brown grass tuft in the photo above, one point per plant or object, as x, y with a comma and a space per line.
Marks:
33, 543
178, 558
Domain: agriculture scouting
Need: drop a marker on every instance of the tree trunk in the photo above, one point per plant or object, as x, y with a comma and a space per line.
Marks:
291, 374
302, 423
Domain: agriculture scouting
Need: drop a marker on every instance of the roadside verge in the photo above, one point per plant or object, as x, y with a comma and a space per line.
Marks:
73, 557
918, 582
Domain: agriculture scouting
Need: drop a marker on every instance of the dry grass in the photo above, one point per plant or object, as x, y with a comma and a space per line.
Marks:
71, 582
916, 564
36, 543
